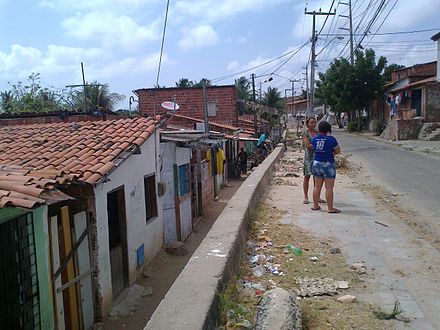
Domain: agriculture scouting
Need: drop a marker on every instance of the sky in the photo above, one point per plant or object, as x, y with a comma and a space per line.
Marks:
119, 41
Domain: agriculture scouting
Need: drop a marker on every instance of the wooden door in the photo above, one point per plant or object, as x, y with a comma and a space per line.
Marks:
117, 240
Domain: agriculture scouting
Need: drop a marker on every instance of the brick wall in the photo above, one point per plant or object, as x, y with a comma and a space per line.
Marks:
432, 106
408, 129
190, 101
419, 70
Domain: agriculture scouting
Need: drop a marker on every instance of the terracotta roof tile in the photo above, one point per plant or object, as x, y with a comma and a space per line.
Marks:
74, 148
21, 187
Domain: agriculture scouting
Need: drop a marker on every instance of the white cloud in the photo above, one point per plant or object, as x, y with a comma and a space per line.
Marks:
127, 66
22, 61
233, 65
199, 36
111, 30
87, 5
213, 10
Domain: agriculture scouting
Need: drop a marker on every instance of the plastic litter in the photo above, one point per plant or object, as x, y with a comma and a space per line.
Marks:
295, 250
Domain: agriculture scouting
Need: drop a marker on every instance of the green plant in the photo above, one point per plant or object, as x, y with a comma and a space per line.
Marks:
388, 316
352, 126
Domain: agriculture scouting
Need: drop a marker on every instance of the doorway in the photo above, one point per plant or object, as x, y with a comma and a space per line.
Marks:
117, 227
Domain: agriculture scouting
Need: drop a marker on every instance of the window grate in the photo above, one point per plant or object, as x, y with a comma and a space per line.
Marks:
19, 294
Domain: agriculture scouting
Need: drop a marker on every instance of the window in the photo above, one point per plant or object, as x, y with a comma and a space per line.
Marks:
150, 196
212, 109
184, 179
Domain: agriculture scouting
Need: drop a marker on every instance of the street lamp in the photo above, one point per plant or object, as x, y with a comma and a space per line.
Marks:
253, 76
131, 100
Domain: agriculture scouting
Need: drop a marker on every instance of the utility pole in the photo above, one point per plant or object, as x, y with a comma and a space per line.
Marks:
84, 85
350, 18
313, 58
293, 81
205, 106
253, 104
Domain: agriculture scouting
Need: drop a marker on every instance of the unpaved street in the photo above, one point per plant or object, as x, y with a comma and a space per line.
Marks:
401, 265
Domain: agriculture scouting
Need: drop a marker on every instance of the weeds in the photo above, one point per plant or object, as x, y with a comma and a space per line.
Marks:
388, 316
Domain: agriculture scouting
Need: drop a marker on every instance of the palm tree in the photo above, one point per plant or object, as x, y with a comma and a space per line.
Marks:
200, 83
98, 98
6, 101
243, 88
184, 83
272, 98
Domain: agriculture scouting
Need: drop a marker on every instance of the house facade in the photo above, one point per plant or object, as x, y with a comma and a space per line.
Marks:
221, 100
99, 238
412, 101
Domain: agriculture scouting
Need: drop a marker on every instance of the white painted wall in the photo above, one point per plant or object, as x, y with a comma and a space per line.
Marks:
171, 155
129, 174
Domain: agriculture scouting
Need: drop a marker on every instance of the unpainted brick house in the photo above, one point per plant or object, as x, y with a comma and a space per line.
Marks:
222, 101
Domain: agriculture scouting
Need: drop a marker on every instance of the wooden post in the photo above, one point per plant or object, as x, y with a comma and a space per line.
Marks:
70, 292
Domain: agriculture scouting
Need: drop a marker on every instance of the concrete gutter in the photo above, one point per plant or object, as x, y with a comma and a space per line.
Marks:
191, 303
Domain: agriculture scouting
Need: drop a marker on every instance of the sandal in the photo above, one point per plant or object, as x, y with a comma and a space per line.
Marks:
316, 209
322, 201
335, 211
306, 201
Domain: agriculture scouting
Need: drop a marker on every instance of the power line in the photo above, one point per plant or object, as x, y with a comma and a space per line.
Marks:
395, 3
161, 47
258, 66
389, 33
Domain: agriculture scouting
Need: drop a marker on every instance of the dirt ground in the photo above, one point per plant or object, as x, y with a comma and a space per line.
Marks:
320, 258
165, 268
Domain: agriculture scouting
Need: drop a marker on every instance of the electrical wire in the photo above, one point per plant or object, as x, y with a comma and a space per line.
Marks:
395, 3
163, 41
258, 66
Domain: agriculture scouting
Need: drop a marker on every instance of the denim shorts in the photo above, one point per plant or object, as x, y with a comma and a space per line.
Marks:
324, 170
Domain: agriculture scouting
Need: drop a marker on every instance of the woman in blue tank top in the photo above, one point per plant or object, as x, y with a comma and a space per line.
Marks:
323, 167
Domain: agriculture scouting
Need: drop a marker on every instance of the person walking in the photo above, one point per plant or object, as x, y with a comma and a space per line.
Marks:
323, 167
242, 160
307, 136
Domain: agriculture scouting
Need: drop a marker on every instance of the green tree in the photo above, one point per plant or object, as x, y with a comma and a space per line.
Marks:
184, 83
98, 98
31, 97
272, 98
389, 69
7, 101
243, 88
350, 88
200, 83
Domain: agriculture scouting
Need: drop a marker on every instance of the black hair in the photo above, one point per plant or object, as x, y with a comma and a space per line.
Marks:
308, 119
324, 127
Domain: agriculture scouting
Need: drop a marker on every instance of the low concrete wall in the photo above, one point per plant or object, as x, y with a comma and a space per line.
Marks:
191, 302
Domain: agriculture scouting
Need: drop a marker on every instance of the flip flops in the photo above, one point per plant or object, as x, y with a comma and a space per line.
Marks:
316, 209
322, 201
335, 211
306, 202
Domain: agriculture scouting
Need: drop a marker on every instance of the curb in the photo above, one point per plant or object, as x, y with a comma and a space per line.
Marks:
191, 303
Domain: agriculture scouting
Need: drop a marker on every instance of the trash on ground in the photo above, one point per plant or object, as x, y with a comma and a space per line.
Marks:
343, 285
309, 287
348, 298
295, 250
314, 259
258, 271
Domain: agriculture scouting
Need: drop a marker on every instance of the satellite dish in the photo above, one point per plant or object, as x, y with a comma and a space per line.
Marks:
170, 105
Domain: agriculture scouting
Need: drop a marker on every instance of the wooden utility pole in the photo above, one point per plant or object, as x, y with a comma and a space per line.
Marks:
313, 58
254, 105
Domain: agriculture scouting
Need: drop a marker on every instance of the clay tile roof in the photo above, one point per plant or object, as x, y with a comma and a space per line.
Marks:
21, 187
92, 147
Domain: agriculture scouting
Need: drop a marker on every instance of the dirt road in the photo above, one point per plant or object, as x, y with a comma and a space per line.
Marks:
401, 265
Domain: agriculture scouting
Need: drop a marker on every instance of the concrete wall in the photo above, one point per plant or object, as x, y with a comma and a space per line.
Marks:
171, 155
191, 303
207, 185
432, 105
129, 174
190, 101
